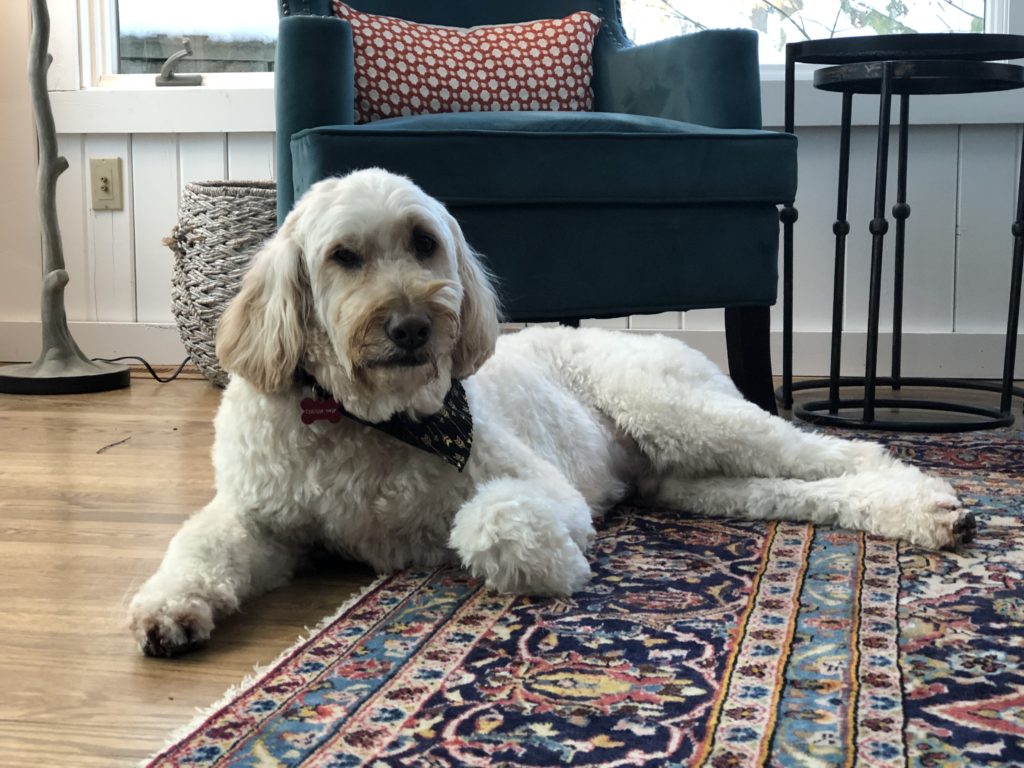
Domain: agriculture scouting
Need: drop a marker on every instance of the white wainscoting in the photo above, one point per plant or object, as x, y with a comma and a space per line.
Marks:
962, 184
120, 267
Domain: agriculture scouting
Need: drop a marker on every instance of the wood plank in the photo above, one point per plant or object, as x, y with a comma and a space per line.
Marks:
611, 323
250, 156
705, 320
83, 527
931, 230
813, 241
155, 181
989, 162
202, 157
662, 320
110, 241
72, 197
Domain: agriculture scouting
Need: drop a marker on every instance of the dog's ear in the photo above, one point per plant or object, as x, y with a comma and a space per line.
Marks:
478, 317
261, 334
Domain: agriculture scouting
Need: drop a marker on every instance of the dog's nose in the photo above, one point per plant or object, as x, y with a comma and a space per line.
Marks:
408, 332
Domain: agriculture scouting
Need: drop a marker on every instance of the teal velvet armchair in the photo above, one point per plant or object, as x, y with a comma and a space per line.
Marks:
665, 197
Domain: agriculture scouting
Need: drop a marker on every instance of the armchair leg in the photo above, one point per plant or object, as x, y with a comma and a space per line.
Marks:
750, 361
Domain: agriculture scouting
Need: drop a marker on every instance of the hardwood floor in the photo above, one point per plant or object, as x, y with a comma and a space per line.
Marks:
92, 487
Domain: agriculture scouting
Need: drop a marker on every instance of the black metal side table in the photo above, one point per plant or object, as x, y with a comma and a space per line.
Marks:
903, 65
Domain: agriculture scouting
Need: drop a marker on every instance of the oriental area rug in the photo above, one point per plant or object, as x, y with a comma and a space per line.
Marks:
697, 643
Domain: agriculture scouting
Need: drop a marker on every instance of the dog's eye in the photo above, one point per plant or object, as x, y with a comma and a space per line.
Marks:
423, 244
346, 258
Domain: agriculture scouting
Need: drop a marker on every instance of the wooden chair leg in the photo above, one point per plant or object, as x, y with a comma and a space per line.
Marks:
750, 361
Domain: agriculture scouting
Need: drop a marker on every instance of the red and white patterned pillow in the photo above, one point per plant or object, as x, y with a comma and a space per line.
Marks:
405, 68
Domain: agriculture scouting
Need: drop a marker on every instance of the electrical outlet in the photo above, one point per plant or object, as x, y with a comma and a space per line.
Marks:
105, 177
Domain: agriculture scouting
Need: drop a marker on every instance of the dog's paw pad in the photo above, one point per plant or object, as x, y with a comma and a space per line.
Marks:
161, 643
559, 575
963, 530
173, 629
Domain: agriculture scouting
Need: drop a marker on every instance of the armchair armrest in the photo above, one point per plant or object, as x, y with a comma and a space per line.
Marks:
710, 78
314, 85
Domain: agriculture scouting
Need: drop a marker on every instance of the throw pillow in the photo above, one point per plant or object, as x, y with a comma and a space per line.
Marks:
405, 68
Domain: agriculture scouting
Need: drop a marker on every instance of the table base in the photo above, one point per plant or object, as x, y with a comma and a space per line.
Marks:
826, 412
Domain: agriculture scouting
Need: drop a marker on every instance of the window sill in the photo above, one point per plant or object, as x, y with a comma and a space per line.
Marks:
233, 104
135, 105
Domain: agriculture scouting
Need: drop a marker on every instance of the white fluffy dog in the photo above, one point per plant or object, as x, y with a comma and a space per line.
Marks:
370, 291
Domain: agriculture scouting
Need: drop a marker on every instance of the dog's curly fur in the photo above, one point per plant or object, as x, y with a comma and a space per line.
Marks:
567, 423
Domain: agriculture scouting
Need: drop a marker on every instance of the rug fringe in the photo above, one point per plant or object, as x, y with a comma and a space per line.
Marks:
259, 671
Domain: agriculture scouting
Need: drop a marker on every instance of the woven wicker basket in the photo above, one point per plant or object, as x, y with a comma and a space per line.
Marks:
220, 226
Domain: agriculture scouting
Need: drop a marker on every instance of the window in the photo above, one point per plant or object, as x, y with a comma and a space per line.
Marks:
226, 35
239, 35
786, 21
90, 96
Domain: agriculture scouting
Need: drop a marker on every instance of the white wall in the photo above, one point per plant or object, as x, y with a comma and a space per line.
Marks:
19, 243
962, 186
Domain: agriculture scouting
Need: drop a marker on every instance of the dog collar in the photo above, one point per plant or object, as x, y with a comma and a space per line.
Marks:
447, 434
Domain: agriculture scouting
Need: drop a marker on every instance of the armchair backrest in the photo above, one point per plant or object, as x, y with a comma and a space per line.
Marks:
313, 46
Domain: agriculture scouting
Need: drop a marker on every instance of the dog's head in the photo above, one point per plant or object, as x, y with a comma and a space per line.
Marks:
370, 285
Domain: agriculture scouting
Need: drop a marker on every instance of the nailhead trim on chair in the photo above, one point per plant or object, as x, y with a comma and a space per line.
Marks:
303, 8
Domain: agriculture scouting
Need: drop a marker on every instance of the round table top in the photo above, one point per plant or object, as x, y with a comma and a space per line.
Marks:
949, 46
921, 77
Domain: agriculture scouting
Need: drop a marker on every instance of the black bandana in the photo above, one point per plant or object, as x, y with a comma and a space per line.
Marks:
447, 433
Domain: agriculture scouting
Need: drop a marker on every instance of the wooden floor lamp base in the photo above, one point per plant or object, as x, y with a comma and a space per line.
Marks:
49, 377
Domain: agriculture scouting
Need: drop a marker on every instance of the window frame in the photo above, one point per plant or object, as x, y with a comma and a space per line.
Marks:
97, 28
88, 99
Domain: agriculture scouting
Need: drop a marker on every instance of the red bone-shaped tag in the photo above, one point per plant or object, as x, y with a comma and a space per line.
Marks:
315, 410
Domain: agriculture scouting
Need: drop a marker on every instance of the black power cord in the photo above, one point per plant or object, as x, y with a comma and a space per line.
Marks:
149, 367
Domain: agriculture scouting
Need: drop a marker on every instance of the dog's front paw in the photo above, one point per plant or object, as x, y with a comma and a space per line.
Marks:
172, 627
503, 569
945, 524
927, 511
952, 525
962, 529
522, 541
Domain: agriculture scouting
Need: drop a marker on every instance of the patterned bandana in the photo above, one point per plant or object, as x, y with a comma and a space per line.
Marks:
447, 433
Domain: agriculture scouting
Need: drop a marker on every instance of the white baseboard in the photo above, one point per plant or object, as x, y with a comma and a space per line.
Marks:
158, 343
949, 355
953, 355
